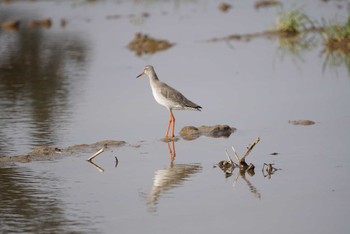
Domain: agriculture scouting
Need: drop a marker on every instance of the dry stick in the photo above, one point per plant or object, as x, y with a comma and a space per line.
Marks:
236, 155
250, 148
229, 158
96, 154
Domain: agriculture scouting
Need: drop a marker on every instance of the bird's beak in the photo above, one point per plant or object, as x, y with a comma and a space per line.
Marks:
140, 75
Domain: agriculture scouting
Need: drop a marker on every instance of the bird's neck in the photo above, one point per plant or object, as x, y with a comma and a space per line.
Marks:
153, 79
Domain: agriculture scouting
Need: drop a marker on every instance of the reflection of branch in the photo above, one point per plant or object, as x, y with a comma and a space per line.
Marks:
235, 180
100, 169
251, 187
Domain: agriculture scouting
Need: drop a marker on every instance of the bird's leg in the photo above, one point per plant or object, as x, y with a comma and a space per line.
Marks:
173, 121
167, 131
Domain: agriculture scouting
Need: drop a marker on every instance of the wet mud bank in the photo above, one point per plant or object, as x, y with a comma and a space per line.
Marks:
42, 153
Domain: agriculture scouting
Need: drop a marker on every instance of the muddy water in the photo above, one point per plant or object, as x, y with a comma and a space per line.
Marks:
76, 84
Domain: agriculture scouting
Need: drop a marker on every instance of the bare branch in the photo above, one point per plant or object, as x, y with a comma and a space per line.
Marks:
250, 147
236, 155
228, 157
95, 154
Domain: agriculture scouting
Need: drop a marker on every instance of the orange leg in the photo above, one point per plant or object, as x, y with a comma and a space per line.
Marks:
171, 121
171, 113
167, 131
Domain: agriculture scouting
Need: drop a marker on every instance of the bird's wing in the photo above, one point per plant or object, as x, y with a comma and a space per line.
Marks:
172, 94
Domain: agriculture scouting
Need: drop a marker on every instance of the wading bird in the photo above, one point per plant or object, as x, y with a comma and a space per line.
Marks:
168, 97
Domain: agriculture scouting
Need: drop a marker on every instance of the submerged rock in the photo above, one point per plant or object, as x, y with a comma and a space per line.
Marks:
304, 122
144, 44
216, 131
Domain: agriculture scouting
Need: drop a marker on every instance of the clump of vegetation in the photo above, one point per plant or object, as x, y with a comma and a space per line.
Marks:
144, 44
292, 22
337, 36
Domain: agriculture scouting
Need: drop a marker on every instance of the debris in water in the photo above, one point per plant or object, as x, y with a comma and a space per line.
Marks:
268, 170
228, 166
116, 161
95, 154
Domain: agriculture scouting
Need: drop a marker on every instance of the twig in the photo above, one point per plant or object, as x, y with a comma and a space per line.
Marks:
236, 155
250, 148
228, 157
95, 154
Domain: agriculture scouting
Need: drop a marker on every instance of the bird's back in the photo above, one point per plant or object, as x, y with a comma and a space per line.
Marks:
171, 98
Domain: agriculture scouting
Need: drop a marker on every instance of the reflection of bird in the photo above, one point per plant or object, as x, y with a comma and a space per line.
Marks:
168, 97
169, 178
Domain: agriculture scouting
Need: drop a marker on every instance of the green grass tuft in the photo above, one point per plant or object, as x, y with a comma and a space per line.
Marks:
292, 22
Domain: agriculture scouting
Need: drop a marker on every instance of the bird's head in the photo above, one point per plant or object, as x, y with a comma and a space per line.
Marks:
148, 70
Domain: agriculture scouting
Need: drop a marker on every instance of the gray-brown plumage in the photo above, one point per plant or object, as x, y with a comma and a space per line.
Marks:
168, 97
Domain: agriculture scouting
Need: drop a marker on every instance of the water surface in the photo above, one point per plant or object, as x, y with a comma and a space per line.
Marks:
77, 84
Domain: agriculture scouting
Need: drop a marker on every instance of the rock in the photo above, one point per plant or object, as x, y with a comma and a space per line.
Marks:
304, 122
44, 23
216, 131
190, 133
11, 24
224, 7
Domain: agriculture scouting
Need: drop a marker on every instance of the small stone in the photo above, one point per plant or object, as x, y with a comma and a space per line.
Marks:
304, 122
224, 7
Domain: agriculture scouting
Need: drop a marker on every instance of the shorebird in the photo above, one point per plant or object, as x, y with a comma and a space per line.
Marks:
168, 97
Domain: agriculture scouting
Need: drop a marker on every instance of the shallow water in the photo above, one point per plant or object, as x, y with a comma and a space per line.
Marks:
76, 84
